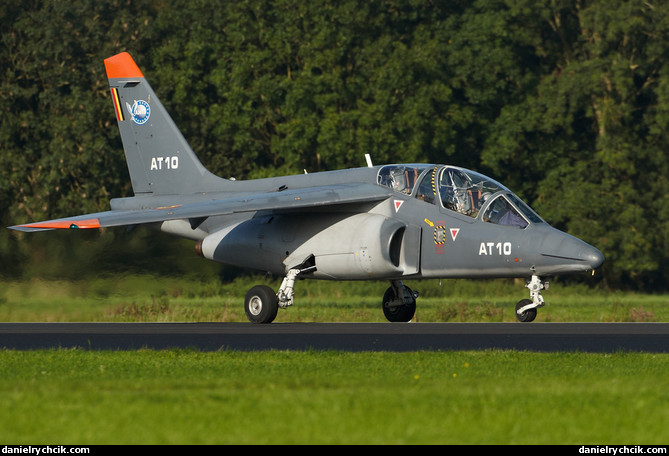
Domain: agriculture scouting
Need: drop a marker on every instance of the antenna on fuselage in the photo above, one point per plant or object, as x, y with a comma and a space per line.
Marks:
369, 160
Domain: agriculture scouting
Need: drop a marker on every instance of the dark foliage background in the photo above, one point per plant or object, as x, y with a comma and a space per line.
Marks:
566, 102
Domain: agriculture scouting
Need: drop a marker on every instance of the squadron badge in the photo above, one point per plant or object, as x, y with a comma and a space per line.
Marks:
139, 111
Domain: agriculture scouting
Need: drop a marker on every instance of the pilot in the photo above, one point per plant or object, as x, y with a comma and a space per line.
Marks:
398, 181
453, 188
511, 217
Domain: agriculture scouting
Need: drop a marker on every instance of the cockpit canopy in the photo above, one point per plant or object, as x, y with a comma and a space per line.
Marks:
459, 190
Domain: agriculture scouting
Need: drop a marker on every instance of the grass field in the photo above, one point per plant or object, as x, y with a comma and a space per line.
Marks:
145, 298
188, 397
84, 397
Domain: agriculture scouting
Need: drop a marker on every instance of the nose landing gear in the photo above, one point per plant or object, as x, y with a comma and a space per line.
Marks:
526, 309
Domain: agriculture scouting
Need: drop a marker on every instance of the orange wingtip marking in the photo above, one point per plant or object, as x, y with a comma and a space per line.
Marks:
122, 66
83, 224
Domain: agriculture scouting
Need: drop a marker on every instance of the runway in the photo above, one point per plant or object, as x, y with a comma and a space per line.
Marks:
540, 337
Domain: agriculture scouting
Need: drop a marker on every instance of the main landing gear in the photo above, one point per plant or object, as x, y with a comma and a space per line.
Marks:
262, 303
526, 309
399, 302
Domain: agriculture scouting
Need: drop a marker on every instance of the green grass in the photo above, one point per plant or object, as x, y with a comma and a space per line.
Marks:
146, 298
190, 397
322, 397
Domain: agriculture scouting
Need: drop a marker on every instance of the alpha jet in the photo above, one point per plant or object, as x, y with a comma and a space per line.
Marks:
393, 222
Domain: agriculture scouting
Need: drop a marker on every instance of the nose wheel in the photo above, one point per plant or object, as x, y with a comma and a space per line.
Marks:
527, 315
526, 309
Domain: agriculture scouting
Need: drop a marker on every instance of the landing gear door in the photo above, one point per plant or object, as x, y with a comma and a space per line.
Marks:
410, 252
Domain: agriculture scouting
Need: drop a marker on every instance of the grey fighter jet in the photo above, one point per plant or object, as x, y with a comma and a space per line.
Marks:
393, 222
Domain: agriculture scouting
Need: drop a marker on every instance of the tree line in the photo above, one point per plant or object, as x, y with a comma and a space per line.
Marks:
566, 102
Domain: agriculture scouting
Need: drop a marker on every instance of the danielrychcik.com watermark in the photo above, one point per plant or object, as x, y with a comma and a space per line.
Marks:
615, 450
38, 450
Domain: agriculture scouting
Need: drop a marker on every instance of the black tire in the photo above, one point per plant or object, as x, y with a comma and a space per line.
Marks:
261, 304
397, 314
528, 315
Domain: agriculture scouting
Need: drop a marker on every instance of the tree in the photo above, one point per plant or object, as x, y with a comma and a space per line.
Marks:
589, 132
566, 102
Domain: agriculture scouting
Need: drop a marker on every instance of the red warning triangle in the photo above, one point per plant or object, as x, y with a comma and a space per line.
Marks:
454, 232
398, 203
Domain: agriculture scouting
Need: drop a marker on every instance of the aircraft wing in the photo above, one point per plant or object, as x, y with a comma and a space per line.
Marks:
278, 200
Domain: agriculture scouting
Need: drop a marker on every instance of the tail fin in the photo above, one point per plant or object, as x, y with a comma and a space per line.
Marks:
159, 159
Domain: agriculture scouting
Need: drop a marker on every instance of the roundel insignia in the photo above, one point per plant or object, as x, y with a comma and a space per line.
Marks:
140, 112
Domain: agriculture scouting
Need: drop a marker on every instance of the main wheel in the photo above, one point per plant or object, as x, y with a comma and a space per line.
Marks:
261, 304
528, 315
402, 313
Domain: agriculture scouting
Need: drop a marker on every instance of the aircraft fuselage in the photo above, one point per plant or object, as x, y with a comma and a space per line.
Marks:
403, 236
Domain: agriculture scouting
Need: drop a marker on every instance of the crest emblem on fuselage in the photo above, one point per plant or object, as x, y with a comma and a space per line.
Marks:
139, 111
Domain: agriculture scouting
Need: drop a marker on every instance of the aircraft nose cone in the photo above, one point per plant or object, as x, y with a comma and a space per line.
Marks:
593, 256
583, 253
561, 253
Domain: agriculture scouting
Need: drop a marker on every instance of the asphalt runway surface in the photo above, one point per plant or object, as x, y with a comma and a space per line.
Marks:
540, 337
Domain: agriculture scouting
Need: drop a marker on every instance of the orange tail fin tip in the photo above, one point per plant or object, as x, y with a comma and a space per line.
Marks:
122, 66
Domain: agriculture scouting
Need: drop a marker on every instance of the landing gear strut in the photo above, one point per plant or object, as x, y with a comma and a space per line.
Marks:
399, 302
526, 309
262, 304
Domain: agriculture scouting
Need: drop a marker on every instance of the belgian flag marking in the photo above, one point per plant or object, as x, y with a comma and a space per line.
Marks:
117, 104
